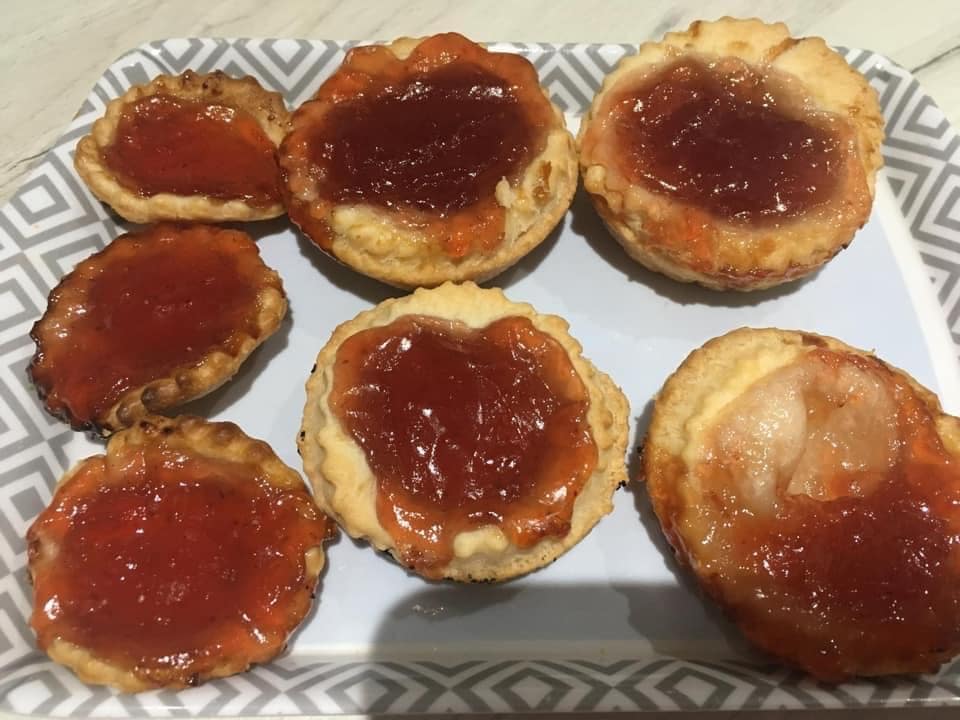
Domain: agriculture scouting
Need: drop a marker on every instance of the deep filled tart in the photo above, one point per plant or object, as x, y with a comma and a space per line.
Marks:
188, 147
155, 319
733, 155
463, 433
429, 160
188, 551
815, 492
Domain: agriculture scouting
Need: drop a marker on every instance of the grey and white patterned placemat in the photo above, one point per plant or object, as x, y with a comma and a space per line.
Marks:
53, 221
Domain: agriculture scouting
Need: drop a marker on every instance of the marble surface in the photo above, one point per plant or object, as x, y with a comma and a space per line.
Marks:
52, 51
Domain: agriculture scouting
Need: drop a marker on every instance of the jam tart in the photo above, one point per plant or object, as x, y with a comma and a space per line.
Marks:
463, 433
814, 491
428, 160
188, 551
188, 147
155, 319
733, 155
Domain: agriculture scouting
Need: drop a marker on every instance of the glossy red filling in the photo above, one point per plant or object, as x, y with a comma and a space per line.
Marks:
465, 428
167, 564
427, 138
864, 568
726, 138
165, 144
146, 305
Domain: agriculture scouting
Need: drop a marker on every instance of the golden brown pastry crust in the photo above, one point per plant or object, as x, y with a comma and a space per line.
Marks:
655, 229
198, 437
345, 487
687, 408
373, 242
181, 384
246, 94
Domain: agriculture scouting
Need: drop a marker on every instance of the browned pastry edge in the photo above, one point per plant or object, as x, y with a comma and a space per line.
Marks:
246, 94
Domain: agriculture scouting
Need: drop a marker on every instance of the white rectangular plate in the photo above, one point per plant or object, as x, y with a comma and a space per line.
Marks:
611, 625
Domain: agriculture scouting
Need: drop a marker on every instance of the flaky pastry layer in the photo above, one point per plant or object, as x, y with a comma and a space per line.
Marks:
694, 510
180, 384
372, 241
194, 437
688, 244
346, 488
245, 94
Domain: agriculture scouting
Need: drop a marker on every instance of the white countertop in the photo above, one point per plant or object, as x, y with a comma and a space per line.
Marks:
52, 51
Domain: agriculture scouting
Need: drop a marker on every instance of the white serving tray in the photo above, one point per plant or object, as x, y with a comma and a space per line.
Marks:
611, 625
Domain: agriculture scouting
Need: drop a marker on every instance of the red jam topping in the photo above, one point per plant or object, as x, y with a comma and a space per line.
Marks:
427, 138
148, 304
465, 428
439, 142
165, 144
726, 139
168, 563
856, 562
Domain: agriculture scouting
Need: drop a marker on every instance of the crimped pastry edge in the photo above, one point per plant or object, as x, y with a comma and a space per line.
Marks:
676, 402
834, 87
215, 440
246, 94
410, 270
345, 487
186, 382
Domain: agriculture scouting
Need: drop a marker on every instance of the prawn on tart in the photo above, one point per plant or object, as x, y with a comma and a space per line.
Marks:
814, 491
155, 319
188, 147
188, 551
463, 433
428, 160
733, 155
